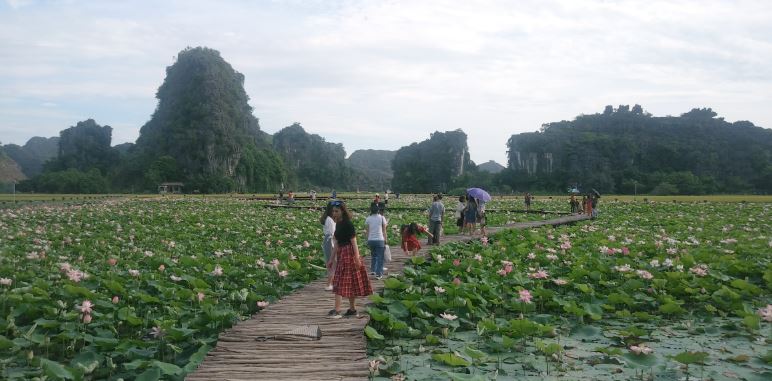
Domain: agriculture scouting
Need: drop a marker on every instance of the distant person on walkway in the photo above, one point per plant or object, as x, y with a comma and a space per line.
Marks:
587, 204
334, 194
470, 215
574, 204
350, 279
375, 231
290, 197
378, 203
410, 243
436, 214
594, 205
460, 212
527, 199
481, 217
327, 243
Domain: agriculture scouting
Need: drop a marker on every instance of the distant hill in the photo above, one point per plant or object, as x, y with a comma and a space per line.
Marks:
31, 156
9, 170
624, 150
490, 166
374, 167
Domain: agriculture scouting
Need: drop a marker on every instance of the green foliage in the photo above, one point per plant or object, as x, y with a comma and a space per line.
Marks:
627, 151
204, 123
311, 161
431, 165
68, 181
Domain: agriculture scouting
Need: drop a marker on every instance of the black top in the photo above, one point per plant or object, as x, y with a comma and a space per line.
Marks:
344, 232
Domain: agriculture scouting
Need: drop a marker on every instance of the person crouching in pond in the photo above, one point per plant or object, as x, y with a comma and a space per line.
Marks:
327, 243
350, 279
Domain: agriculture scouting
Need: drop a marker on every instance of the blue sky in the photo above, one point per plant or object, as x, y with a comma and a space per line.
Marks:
383, 74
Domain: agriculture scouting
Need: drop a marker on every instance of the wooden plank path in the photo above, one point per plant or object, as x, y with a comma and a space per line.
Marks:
341, 354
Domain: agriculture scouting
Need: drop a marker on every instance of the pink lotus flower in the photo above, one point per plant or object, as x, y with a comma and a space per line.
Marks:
262, 304
447, 316
502, 272
457, 281
86, 318
766, 313
525, 296
175, 278
161, 268
641, 349
699, 270
541, 274
478, 257
283, 273
6, 281
456, 262
531, 256
85, 307
200, 296
217, 271
439, 290
374, 364
484, 240
65, 267
134, 273
112, 261
75, 275
625, 250
560, 282
644, 274
306, 244
116, 299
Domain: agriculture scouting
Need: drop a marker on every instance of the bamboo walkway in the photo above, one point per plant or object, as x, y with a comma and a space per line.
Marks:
341, 354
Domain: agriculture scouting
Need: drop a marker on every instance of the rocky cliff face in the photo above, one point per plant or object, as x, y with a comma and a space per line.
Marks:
10, 171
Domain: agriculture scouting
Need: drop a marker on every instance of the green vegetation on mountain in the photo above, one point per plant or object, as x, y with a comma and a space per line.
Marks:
310, 160
431, 165
374, 167
203, 127
627, 150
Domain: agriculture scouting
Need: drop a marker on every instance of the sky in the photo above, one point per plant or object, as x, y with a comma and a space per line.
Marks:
385, 74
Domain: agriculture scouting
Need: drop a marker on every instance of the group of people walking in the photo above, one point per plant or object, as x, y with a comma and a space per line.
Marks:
470, 212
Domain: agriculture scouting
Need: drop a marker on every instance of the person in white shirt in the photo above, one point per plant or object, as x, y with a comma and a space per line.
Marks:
328, 244
375, 231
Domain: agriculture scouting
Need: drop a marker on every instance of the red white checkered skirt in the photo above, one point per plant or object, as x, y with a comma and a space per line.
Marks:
350, 279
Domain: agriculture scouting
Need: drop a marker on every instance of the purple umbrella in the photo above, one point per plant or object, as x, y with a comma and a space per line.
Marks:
479, 194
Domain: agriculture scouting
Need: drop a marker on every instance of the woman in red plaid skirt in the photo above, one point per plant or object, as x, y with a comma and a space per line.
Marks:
350, 279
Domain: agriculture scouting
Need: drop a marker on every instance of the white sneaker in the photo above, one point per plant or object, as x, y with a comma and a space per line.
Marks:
385, 268
328, 288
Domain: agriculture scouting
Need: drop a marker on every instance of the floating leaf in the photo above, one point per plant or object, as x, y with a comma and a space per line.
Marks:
691, 357
450, 359
373, 334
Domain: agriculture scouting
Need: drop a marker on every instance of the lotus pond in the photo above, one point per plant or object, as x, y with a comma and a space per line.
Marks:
141, 287
649, 291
